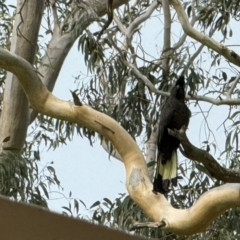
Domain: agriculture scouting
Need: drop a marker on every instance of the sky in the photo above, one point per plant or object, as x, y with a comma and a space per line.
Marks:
87, 171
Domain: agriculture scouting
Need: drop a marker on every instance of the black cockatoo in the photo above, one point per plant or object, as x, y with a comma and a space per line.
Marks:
174, 115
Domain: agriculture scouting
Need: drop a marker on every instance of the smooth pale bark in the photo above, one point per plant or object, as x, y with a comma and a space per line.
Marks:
151, 150
14, 118
186, 221
167, 51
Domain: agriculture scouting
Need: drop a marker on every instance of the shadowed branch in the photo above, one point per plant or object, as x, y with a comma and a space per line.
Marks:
202, 156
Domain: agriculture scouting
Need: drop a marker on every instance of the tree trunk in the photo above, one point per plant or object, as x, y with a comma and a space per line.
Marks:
15, 104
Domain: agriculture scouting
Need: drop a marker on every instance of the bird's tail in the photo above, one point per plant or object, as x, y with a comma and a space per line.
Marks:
166, 174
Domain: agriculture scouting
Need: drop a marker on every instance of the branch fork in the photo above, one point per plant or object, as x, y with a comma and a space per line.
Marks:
180, 221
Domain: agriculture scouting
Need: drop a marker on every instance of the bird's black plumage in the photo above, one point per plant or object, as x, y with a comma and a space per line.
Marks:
174, 115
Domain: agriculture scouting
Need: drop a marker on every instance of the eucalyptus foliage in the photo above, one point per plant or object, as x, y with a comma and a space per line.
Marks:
113, 88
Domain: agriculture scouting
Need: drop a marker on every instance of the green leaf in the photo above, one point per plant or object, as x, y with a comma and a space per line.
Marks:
68, 209
108, 201
97, 203
43, 186
224, 75
83, 203
76, 205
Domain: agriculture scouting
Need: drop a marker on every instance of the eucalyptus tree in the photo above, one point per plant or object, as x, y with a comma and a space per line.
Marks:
124, 99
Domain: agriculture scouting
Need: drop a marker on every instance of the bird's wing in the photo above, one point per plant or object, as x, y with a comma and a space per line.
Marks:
165, 119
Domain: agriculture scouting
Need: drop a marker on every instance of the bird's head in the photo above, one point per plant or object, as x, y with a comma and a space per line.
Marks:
180, 82
178, 91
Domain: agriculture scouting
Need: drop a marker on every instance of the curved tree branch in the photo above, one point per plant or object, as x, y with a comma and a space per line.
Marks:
180, 221
201, 156
148, 83
132, 28
61, 43
197, 52
142, 18
152, 88
230, 55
